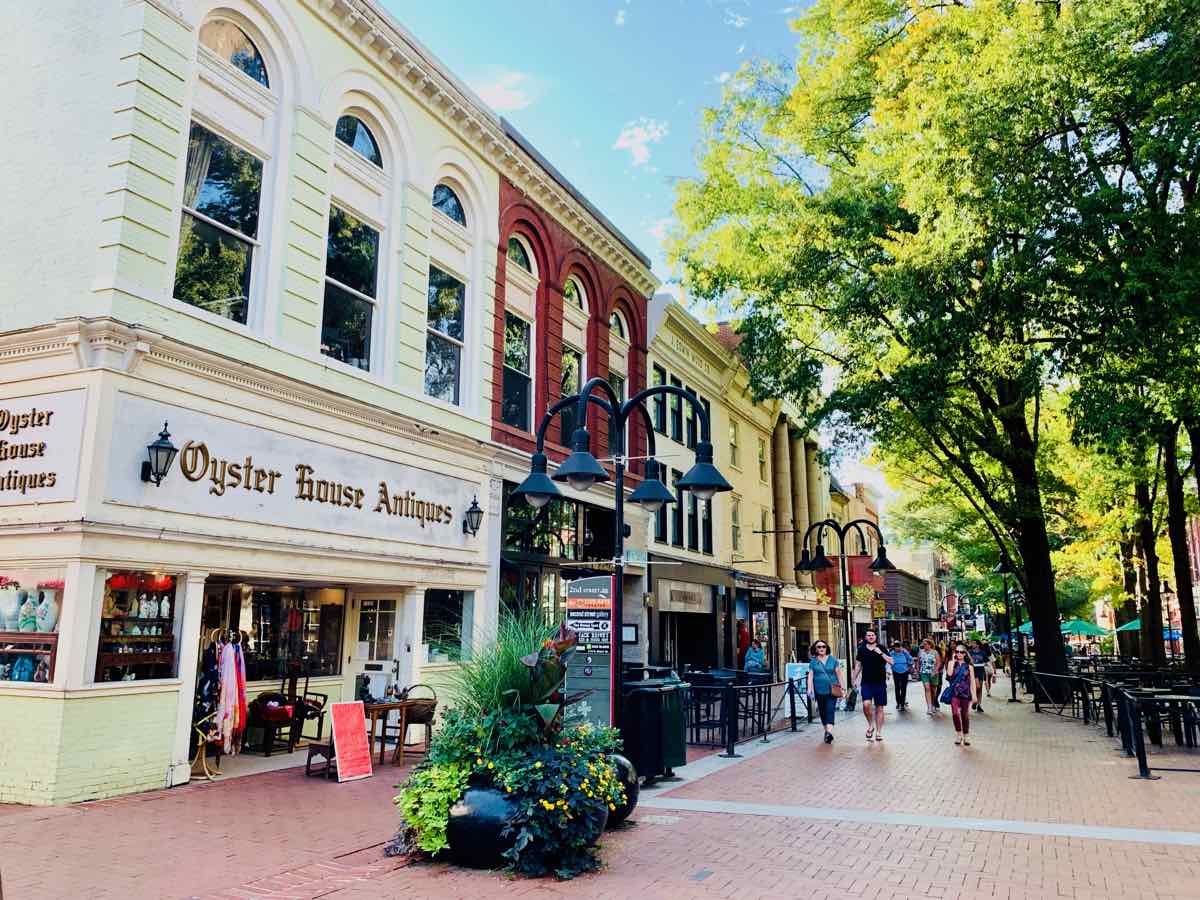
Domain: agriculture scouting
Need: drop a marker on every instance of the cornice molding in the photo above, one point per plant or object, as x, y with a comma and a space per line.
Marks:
378, 36
116, 346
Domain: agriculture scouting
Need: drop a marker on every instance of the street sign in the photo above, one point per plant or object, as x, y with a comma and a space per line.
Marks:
592, 668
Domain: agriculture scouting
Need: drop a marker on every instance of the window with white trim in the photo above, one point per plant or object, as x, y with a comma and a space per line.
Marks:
354, 133
446, 297
446, 202
233, 45
351, 270
516, 401
218, 232
572, 383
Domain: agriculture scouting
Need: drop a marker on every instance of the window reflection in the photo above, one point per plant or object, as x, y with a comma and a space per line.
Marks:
354, 133
447, 202
231, 44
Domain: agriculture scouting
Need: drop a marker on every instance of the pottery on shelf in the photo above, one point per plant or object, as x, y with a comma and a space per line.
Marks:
10, 607
164, 608
27, 620
47, 611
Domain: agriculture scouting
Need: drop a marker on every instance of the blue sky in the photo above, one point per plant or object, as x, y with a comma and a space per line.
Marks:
610, 91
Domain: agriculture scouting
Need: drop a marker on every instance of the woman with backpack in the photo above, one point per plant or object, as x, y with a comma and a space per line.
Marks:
960, 693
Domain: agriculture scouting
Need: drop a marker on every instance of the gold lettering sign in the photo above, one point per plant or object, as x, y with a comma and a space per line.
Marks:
198, 463
14, 422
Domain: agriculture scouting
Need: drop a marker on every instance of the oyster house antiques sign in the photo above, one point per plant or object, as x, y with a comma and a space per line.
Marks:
233, 470
39, 447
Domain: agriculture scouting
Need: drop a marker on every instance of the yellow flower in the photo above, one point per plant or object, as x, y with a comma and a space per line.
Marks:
538, 764
479, 761
612, 808
491, 765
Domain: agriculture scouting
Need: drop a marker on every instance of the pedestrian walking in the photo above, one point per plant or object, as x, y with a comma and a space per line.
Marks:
938, 671
927, 661
825, 684
979, 659
961, 688
902, 663
870, 674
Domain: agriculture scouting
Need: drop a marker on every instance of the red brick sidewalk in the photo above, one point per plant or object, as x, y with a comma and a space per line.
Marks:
284, 836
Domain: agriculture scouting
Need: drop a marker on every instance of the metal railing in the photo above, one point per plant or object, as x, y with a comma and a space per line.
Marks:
727, 714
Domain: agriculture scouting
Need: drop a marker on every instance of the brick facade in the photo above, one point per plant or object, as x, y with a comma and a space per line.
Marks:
560, 254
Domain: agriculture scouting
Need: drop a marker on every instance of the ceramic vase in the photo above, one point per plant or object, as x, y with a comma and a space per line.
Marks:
27, 620
164, 608
47, 611
10, 608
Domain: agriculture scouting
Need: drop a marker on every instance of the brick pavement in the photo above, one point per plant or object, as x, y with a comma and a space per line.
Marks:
284, 836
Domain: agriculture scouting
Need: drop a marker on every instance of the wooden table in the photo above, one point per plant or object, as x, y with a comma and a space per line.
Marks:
377, 711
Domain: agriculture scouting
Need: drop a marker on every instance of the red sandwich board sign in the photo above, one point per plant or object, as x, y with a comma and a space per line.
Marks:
350, 744
592, 668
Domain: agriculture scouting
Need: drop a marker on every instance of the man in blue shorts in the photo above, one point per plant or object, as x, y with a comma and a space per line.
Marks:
870, 673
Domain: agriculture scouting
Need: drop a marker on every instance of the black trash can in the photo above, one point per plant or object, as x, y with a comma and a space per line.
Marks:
653, 728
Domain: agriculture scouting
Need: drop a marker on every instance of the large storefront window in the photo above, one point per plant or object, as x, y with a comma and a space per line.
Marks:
285, 630
448, 623
30, 609
139, 627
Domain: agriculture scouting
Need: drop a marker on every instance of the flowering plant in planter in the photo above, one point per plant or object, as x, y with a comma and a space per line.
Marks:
507, 734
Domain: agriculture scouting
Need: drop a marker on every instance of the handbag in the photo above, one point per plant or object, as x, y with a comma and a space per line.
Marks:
948, 693
835, 687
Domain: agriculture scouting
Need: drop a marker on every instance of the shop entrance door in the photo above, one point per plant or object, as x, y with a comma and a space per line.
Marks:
373, 649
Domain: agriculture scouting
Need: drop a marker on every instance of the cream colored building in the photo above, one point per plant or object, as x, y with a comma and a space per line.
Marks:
272, 226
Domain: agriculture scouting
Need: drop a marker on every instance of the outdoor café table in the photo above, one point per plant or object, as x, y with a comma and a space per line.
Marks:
377, 711
1175, 704
1148, 695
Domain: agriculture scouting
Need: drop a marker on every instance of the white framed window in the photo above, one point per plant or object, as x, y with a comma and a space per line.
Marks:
518, 252
446, 298
763, 528
446, 201
735, 522
571, 383
377, 628
734, 458
218, 230
351, 275
219, 257
762, 460
574, 295
354, 133
517, 387
618, 326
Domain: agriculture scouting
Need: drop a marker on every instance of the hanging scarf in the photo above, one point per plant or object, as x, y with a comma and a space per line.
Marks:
242, 713
227, 702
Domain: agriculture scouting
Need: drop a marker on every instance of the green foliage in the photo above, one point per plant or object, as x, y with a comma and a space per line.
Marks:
497, 676
565, 791
506, 730
425, 799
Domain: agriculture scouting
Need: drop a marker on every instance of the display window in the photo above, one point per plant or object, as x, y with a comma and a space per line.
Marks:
447, 624
139, 634
284, 629
30, 609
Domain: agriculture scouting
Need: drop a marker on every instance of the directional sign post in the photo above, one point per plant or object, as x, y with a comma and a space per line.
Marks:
593, 666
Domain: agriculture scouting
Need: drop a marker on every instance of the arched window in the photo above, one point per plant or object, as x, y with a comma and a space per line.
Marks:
616, 323
231, 44
447, 202
574, 295
355, 134
519, 254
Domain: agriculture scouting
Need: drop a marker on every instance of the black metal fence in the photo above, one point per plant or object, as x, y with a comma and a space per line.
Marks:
1133, 706
725, 714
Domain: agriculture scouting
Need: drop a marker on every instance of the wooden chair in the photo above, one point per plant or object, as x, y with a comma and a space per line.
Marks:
309, 705
280, 723
421, 712
324, 751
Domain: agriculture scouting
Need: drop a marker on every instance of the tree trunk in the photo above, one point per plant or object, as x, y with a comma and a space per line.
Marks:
1034, 543
1177, 533
1127, 611
1152, 640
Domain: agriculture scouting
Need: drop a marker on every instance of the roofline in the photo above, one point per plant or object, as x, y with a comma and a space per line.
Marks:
521, 141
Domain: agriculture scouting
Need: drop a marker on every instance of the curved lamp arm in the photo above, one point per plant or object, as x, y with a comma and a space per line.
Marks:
562, 404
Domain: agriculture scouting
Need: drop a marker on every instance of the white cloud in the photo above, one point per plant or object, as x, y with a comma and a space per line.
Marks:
659, 227
506, 90
741, 49
620, 19
636, 137
787, 10
736, 20
724, 77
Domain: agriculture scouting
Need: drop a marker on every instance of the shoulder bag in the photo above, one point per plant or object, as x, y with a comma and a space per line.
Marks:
948, 692
835, 686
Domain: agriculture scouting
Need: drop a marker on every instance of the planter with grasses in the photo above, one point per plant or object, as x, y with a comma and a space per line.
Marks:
511, 779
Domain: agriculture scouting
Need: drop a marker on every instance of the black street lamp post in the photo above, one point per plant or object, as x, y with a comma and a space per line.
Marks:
1168, 595
820, 561
1004, 569
581, 470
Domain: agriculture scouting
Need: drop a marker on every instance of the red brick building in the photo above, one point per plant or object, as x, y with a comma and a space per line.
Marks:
570, 298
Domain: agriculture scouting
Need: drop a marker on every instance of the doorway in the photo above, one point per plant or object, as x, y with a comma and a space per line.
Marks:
687, 640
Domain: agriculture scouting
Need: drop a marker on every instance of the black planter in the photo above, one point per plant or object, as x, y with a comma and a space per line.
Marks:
475, 826
628, 776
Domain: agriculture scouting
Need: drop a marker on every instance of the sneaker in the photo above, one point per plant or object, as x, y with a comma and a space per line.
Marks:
958, 741
828, 738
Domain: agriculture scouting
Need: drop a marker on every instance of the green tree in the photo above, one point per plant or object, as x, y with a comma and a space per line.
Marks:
891, 214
